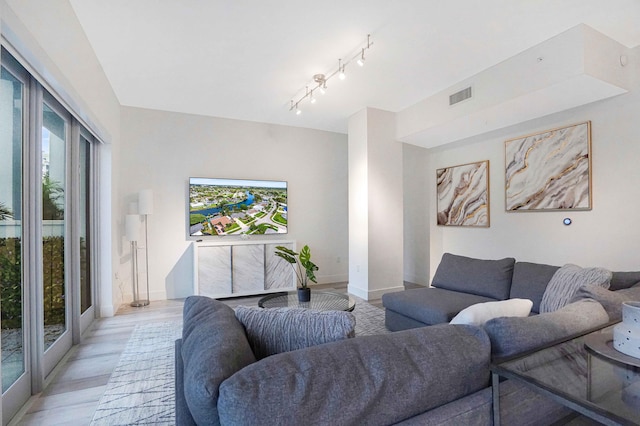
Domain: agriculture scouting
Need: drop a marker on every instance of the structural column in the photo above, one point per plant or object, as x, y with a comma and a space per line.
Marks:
375, 205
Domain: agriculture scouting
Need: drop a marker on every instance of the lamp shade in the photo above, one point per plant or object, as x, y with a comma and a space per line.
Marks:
132, 227
145, 201
133, 207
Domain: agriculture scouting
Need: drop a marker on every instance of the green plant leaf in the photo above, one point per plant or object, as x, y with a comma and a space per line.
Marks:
286, 257
311, 267
286, 250
305, 256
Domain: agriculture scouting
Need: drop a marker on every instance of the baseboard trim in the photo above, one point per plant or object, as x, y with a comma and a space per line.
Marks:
374, 294
330, 279
106, 311
414, 279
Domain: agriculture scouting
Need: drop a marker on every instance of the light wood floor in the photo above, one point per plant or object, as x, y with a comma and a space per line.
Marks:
73, 390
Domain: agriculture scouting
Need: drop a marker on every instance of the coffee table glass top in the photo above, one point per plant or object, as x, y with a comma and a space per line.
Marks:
591, 381
320, 300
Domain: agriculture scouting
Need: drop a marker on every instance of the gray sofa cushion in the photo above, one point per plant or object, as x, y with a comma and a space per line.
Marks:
475, 409
430, 305
611, 301
514, 335
214, 347
398, 322
622, 280
275, 330
489, 278
567, 280
182, 413
373, 380
530, 281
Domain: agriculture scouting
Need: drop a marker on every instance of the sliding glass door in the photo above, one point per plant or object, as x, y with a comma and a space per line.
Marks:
85, 240
46, 233
55, 303
16, 381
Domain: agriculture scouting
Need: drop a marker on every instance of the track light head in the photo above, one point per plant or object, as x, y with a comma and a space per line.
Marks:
360, 60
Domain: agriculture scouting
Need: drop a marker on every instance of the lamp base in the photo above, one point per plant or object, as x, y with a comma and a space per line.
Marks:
139, 303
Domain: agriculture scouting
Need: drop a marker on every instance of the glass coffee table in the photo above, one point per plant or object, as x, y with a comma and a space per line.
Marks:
584, 374
320, 300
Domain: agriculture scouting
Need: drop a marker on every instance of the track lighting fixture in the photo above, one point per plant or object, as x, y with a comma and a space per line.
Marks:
322, 83
320, 80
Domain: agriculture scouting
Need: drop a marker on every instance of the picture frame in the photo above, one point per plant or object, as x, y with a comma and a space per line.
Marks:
550, 170
463, 195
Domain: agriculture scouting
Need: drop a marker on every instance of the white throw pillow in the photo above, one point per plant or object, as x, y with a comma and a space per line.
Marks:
565, 283
480, 313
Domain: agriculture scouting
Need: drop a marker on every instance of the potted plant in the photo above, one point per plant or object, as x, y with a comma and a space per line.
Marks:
303, 267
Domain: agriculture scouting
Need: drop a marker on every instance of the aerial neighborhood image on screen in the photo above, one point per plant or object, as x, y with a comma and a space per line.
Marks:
237, 206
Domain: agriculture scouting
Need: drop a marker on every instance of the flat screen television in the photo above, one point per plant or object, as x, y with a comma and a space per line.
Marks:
237, 207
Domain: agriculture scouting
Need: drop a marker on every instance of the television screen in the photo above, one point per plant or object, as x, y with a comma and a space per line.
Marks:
237, 206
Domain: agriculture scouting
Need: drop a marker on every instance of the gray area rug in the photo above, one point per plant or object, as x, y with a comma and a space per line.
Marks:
140, 390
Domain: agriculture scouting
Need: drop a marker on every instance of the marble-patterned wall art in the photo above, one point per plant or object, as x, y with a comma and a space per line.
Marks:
549, 170
463, 195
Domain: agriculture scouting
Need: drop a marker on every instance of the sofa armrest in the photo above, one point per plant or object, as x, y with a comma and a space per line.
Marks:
183, 415
214, 347
515, 335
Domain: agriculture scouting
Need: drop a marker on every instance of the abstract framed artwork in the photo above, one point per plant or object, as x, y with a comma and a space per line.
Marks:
549, 171
463, 195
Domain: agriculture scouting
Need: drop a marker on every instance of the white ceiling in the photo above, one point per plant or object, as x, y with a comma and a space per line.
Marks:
247, 59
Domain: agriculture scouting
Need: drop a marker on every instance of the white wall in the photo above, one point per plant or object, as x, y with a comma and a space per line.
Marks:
375, 205
358, 204
161, 150
607, 236
417, 214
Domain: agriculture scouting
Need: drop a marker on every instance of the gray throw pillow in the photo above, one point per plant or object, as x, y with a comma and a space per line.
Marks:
489, 278
275, 330
565, 283
611, 301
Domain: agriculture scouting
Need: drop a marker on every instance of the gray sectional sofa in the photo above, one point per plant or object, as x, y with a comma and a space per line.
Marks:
436, 375
376, 380
460, 282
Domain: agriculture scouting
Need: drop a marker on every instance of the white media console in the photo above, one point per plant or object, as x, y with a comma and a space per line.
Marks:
241, 268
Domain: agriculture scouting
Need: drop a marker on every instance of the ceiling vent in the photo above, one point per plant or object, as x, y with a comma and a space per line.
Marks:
460, 96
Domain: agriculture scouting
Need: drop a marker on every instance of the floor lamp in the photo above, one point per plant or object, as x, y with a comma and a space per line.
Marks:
145, 208
132, 232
